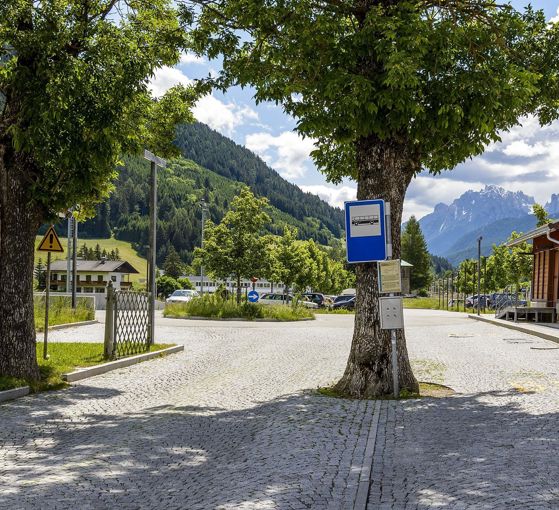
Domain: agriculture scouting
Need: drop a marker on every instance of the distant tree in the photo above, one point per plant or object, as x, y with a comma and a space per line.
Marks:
414, 250
117, 254
291, 258
173, 265
97, 253
541, 215
440, 265
185, 283
166, 285
40, 274
236, 247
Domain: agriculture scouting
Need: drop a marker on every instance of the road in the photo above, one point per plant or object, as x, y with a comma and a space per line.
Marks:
234, 422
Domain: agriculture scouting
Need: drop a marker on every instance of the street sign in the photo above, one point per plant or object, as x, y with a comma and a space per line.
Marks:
154, 159
365, 228
253, 296
390, 276
50, 242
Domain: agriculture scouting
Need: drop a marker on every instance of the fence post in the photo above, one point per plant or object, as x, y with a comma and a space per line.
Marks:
109, 322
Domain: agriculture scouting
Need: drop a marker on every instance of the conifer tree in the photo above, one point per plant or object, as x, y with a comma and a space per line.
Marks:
414, 251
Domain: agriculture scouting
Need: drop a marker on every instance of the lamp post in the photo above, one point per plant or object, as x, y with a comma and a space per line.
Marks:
155, 162
479, 274
204, 206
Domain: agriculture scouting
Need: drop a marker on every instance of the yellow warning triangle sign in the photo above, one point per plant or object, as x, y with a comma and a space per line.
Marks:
50, 242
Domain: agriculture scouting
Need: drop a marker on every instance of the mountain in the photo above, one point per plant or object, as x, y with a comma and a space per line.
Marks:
552, 207
185, 182
451, 231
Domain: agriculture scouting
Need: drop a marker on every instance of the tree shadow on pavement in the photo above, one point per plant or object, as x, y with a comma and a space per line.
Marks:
297, 451
486, 450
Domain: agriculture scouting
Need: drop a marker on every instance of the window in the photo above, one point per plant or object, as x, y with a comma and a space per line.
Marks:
113, 278
78, 289
88, 278
100, 290
63, 277
100, 278
88, 289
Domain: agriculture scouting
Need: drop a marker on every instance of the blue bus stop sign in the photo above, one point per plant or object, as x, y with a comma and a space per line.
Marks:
253, 296
365, 231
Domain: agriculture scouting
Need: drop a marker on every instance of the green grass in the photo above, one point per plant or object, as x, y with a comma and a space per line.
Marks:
125, 250
336, 311
63, 357
212, 306
431, 303
61, 311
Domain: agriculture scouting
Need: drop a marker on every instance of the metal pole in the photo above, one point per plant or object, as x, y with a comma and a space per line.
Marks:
204, 211
69, 253
152, 250
74, 261
47, 299
452, 291
395, 374
479, 275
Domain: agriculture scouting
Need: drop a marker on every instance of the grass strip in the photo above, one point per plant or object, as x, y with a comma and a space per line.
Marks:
64, 357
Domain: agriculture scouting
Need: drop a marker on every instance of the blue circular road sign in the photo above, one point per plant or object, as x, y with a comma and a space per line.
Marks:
253, 296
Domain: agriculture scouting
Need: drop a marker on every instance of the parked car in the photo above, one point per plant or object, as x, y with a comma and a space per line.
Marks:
315, 297
283, 299
181, 296
344, 304
343, 297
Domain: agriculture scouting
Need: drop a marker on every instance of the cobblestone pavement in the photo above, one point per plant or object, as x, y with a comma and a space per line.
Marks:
491, 446
230, 423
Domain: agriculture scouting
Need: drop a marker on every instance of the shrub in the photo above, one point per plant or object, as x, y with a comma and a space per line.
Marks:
166, 286
212, 305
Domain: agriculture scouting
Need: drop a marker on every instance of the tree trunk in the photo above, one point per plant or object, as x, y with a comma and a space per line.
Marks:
238, 290
385, 169
19, 222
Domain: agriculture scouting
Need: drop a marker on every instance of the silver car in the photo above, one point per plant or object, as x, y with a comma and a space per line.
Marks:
181, 296
283, 299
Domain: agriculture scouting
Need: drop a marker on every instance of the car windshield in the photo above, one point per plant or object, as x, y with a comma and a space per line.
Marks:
182, 293
339, 299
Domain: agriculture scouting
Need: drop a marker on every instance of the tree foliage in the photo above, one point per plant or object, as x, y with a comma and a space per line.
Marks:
542, 217
173, 265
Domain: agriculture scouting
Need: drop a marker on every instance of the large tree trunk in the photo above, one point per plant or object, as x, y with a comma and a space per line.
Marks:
19, 222
385, 169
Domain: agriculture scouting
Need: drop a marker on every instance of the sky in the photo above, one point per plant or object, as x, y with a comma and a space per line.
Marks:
526, 160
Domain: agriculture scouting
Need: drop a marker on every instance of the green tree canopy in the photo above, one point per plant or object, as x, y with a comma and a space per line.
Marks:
542, 217
414, 251
173, 265
236, 247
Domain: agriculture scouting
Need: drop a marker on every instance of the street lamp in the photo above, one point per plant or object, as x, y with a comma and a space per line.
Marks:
204, 206
479, 274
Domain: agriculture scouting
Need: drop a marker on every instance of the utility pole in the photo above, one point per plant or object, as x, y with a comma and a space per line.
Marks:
74, 261
155, 162
479, 275
204, 207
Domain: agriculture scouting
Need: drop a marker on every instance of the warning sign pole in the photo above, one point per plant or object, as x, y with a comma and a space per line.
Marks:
47, 301
50, 243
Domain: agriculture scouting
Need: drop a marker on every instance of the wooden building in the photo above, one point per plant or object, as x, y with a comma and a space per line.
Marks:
545, 273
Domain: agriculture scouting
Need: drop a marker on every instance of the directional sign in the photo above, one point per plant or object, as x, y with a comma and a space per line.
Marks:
154, 159
365, 231
50, 242
253, 296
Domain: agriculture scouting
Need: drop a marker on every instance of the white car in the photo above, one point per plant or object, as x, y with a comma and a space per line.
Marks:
181, 296
282, 299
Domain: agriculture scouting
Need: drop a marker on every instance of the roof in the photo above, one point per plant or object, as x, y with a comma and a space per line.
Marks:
403, 263
537, 232
97, 266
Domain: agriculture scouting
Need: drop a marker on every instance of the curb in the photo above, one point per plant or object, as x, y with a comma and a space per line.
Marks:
85, 373
237, 319
14, 393
72, 325
516, 327
365, 478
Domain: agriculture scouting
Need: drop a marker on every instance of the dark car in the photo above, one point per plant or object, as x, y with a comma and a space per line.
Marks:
345, 304
344, 297
317, 298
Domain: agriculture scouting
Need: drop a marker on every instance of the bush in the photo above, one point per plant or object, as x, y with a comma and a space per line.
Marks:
185, 283
61, 311
166, 286
213, 306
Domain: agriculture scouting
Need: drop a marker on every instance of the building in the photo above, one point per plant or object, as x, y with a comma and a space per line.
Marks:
93, 277
545, 273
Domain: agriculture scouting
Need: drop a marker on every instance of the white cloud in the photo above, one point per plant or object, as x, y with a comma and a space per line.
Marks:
522, 149
223, 117
335, 196
287, 152
555, 19
165, 78
191, 58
